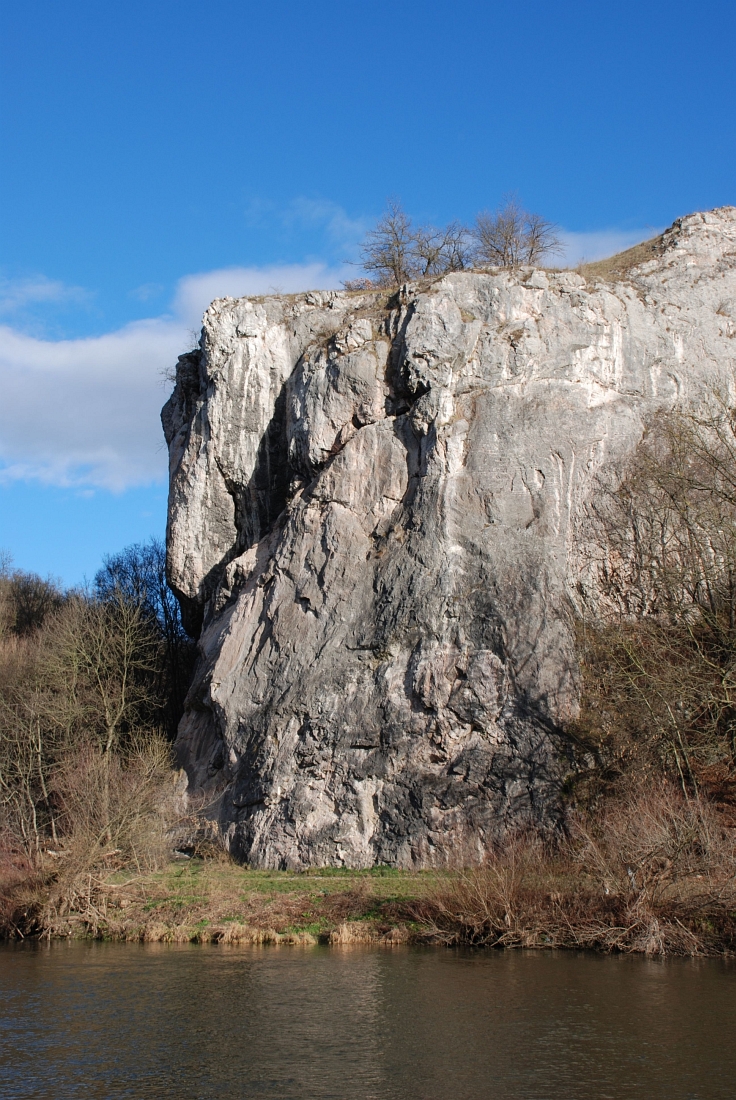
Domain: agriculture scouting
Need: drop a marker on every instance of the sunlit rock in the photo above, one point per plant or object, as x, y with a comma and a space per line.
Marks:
373, 525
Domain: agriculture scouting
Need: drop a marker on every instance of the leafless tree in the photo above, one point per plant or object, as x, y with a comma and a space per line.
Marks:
541, 239
511, 237
397, 251
138, 574
457, 250
98, 658
660, 658
84, 676
437, 251
387, 251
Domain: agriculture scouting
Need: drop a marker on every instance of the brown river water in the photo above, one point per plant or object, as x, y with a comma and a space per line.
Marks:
108, 1021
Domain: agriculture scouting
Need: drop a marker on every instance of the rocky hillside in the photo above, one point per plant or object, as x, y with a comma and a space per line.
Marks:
373, 516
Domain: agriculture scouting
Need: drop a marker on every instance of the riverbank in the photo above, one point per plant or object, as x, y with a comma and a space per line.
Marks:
525, 898
217, 901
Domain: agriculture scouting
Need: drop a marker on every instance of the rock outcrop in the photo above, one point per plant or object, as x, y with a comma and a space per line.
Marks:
372, 522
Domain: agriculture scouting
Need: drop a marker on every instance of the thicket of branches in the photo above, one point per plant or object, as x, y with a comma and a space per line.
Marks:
138, 574
397, 251
91, 688
660, 646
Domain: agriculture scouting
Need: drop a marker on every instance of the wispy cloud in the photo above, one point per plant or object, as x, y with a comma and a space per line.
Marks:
337, 231
338, 225
147, 291
18, 294
85, 412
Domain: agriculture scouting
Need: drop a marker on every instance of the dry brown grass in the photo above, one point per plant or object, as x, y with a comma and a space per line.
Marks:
217, 901
651, 873
619, 267
21, 889
655, 874
647, 871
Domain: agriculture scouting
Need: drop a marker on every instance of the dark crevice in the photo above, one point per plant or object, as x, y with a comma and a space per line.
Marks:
258, 506
260, 503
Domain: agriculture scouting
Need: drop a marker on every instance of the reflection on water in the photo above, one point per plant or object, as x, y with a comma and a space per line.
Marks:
109, 1021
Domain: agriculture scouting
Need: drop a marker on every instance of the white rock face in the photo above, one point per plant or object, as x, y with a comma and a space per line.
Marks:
372, 521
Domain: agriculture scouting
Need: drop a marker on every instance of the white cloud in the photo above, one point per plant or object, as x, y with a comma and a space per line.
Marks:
85, 412
579, 247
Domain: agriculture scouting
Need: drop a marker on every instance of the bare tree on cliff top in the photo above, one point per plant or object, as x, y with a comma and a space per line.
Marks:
387, 249
511, 237
436, 251
397, 251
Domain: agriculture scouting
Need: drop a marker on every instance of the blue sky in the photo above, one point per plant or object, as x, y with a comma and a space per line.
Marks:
158, 154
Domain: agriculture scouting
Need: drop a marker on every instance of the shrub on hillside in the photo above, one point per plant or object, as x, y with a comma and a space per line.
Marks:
86, 711
658, 602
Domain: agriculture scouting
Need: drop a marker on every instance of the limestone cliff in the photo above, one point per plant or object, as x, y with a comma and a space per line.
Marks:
371, 527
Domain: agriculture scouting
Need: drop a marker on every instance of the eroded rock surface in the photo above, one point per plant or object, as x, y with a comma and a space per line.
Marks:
372, 524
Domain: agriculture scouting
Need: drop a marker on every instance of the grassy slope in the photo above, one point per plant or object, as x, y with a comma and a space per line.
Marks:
618, 267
